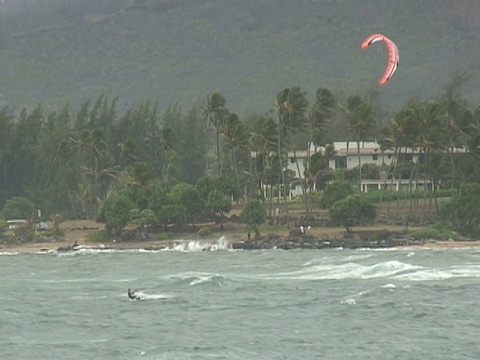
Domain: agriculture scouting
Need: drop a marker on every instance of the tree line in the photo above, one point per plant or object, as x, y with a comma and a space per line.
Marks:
71, 161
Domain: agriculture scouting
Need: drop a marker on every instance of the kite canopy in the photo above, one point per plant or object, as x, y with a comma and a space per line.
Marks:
393, 56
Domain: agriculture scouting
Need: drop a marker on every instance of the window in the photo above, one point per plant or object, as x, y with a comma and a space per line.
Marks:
340, 163
389, 156
292, 160
375, 157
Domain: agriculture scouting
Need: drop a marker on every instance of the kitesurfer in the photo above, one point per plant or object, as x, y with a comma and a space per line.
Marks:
132, 296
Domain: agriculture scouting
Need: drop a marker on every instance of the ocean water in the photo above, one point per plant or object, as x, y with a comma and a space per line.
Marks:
224, 304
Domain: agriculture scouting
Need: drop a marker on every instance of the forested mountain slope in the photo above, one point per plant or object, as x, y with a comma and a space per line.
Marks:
54, 51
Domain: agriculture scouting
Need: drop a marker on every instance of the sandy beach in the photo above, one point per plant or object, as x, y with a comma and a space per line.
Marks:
79, 230
33, 248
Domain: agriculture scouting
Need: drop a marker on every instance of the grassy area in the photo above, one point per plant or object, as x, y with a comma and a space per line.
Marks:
78, 229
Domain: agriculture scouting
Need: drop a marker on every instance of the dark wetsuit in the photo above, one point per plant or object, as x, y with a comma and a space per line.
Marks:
131, 295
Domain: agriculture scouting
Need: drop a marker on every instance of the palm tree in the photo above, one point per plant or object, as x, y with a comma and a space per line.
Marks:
62, 157
262, 142
322, 109
91, 143
385, 140
418, 125
236, 137
139, 178
128, 150
459, 123
7, 153
291, 106
140, 175
317, 172
171, 160
85, 197
214, 109
360, 124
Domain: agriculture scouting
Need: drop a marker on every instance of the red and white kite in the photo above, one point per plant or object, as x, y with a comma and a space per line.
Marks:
393, 56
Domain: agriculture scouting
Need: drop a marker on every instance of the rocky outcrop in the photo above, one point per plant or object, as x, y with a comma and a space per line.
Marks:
296, 240
276, 241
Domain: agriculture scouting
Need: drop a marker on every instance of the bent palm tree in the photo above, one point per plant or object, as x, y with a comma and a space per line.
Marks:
214, 109
292, 117
361, 123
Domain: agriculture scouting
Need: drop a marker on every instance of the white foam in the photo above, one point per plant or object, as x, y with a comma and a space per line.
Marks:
6, 253
196, 278
211, 278
424, 275
348, 301
454, 272
389, 286
349, 270
145, 296
200, 280
200, 245
392, 269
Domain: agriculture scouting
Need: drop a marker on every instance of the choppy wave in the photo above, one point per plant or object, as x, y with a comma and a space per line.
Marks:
348, 270
197, 278
458, 271
387, 269
242, 305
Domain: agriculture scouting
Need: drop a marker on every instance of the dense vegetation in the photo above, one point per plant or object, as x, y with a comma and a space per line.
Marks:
92, 142
185, 165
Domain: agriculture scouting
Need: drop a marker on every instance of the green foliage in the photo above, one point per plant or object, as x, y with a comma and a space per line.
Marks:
436, 232
219, 204
115, 211
158, 197
334, 192
375, 196
58, 233
165, 235
99, 236
352, 210
24, 233
3, 225
172, 214
141, 218
204, 231
188, 197
254, 214
18, 208
462, 211
69, 152
370, 171
207, 184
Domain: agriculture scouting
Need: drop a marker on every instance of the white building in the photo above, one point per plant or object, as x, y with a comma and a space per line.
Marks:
370, 153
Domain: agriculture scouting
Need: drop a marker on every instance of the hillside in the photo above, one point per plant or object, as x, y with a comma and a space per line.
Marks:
53, 51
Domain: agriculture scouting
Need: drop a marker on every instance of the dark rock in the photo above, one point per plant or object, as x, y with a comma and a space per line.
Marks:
351, 240
65, 248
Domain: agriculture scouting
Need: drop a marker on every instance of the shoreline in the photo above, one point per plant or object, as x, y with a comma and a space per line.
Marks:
232, 237
152, 245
